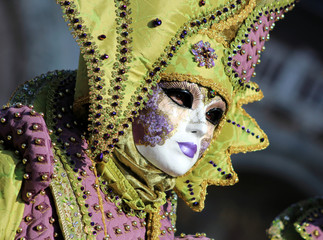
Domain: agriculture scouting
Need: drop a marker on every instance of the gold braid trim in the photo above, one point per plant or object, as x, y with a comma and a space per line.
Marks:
153, 226
198, 80
224, 31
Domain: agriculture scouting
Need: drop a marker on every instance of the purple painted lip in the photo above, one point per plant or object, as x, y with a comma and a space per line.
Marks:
188, 148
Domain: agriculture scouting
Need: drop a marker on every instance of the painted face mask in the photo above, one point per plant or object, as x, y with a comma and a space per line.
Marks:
177, 125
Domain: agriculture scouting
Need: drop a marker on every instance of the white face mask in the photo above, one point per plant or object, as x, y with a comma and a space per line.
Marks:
188, 111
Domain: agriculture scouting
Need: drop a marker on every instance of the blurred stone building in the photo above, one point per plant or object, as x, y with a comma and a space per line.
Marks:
35, 39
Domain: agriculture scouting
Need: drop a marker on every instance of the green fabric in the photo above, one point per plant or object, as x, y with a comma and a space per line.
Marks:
141, 185
148, 48
11, 206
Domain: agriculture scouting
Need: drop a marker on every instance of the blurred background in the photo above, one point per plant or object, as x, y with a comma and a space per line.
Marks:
35, 39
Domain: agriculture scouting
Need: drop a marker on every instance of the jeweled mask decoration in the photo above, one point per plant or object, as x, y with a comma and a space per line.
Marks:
127, 52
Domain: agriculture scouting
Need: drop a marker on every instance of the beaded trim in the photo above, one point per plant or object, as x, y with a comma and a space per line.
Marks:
105, 133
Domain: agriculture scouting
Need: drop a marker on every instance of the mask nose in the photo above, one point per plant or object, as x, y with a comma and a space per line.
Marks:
197, 121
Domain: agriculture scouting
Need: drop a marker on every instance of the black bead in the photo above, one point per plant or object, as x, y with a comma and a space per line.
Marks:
157, 22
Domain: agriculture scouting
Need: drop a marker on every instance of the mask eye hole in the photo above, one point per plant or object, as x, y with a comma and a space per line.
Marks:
179, 96
214, 115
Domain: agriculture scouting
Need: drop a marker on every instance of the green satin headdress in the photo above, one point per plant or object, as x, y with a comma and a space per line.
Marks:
129, 46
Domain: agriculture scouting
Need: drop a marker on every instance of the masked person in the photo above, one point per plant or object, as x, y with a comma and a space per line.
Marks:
153, 112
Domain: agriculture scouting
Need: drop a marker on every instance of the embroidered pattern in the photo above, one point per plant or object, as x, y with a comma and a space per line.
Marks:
204, 54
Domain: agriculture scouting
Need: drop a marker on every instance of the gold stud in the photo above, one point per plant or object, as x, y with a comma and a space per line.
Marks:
24, 160
38, 141
39, 228
260, 21
127, 227
107, 237
40, 158
169, 229
98, 228
40, 207
119, 210
96, 186
91, 168
238, 63
63, 109
54, 176
9, 137
1, 142
17, 152
68, 125
244, 72
23, 146
134, 223
182, 235
19, 105
254, 74
83, 173
55, 234
109, 215
44, 177
249, 57
19, 131
256, 28
17, 115
50, 131
118, 231
55, 160
59, 116
42, 114
35, 126
254, 43
19, 230
197, 234
32, 112
26, 176
143, 223
31, 106
59, 130
51, 220
79, 155
28, 218
72, 139
3, 120
96, 207
316, 233
253, 65
66, 144
258, 61
87, 192
42, 192
163, 232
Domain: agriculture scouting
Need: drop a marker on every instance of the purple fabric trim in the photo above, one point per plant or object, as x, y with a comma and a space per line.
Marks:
251, 49
38, 144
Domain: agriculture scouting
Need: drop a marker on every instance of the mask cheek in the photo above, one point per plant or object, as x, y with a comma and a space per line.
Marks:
205, 142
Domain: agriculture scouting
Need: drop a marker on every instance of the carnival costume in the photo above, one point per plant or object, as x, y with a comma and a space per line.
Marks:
69, 167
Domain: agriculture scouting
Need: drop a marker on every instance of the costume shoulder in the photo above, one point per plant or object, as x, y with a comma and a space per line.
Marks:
303, 220
23, 140
37, 91
11, 206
